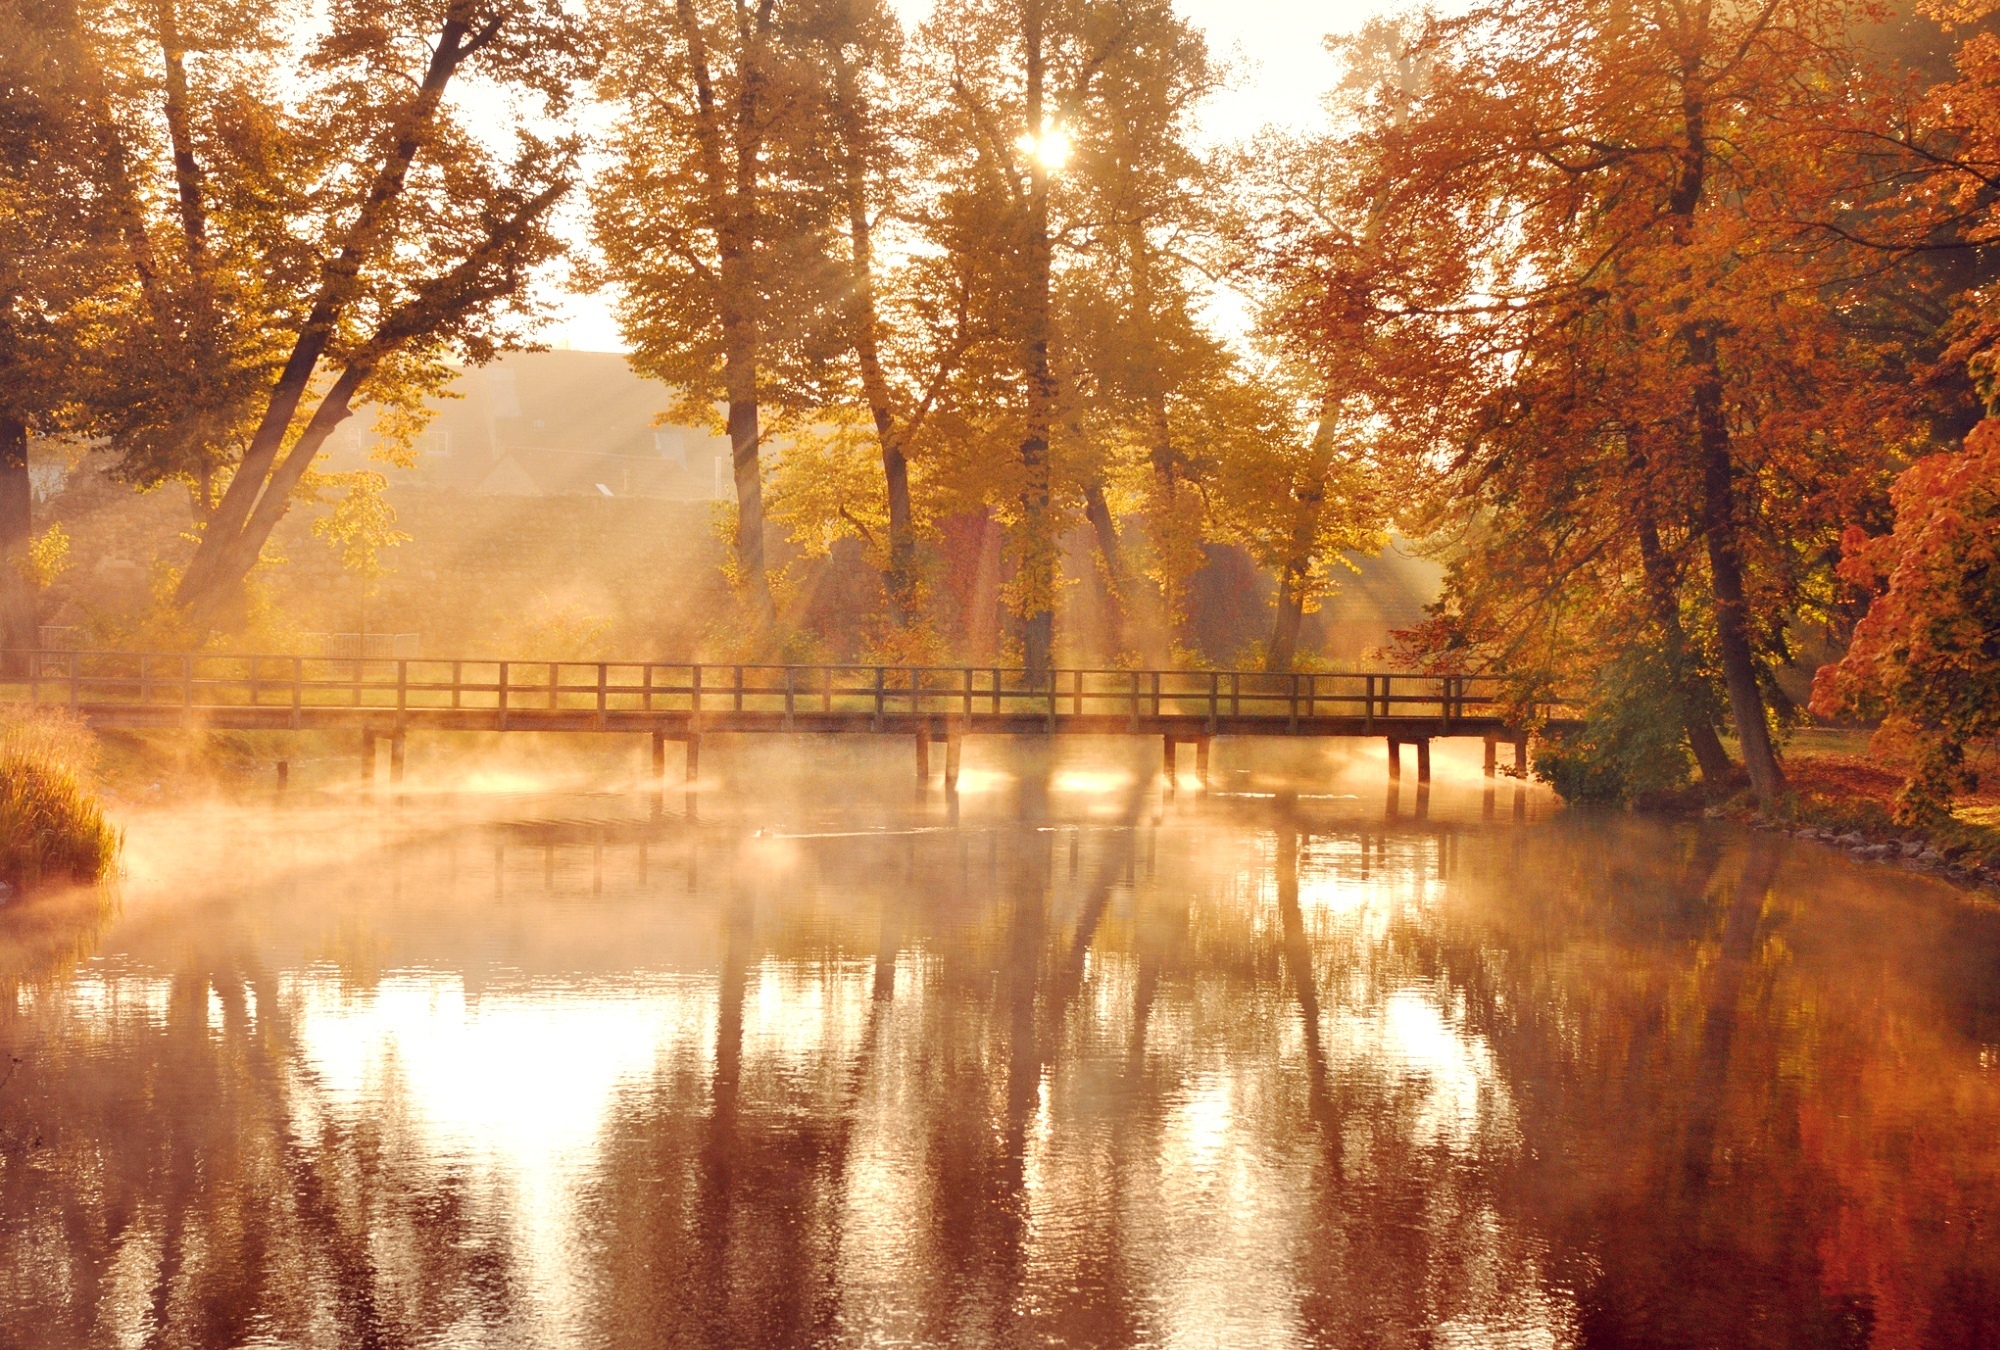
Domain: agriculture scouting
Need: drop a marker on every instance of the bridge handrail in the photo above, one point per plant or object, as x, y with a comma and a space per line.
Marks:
106, 678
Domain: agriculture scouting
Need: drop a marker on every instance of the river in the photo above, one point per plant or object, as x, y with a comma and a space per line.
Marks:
806, 1058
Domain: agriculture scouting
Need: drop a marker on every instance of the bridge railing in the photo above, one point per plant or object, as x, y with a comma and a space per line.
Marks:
200, 681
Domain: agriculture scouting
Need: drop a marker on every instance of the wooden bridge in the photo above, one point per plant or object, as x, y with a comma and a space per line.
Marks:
388, 698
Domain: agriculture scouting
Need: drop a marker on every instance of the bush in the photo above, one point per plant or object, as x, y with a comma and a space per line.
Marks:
1924, 658
1631, 747
51, 826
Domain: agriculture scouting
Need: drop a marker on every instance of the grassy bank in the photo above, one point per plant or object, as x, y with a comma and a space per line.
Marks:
1847, 799
52, 827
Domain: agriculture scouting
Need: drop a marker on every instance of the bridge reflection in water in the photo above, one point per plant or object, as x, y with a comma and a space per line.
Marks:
1257, 1068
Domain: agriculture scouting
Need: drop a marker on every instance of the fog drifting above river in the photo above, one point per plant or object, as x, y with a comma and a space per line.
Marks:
803, 1056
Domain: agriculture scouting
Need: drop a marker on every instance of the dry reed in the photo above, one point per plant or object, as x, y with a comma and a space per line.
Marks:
51, 825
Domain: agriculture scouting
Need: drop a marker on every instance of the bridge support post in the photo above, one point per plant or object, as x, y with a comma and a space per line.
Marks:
396, 757
1201, 761
1521, 757
1171, 762
659, 756
1395, 760
1492, 756
367, 756
924, 755
953, 742
1424, 760
693, 747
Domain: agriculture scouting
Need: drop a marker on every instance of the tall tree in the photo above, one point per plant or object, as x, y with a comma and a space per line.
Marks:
59, 278
417, 240
1017, 71
715, 220
1132, 284
1626, 190
909, 321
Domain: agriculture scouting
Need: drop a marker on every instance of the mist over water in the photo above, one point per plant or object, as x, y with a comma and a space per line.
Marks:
805, 1056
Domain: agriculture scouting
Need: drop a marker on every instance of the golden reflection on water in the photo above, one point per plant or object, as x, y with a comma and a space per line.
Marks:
1070, 1062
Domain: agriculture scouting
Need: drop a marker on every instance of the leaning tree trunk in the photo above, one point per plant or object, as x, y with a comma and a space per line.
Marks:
1284, 648
1111, 554
1732, 611
899, 578
211, 586
1720, 527
1701, 737
17, 587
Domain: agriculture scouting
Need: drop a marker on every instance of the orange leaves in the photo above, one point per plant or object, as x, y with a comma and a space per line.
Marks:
1927, 654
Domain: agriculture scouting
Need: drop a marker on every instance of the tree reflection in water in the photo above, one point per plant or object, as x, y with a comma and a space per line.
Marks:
1077, 1068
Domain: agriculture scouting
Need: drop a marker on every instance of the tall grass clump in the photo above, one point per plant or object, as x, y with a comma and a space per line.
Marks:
51, 825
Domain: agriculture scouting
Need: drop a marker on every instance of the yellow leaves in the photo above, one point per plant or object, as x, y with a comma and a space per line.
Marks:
47, 556
361, 524
826, 485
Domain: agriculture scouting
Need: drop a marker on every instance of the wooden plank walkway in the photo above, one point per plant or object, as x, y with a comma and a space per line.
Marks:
681, 702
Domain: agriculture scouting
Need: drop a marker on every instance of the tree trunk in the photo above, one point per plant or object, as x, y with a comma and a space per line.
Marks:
1294, 578
1112, 554
1701, 737
900, 578
214, 575
749, 476
1725, 565
17, 588
1718, 505
1036, 579
1284, 648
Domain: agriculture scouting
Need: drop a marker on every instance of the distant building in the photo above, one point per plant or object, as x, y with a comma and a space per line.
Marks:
536, 424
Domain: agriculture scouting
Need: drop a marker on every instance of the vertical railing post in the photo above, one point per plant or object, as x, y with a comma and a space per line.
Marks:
1214, 697
502, 695
646, 687
602, 672
1387, 711
1132, 708
878, 698
788, 697
1368, 706
1156, 693
298, 689
1076, 697
357, 682
457, 684
1293, 724
1235, 693
739, 689
695, 716
552, 684
402, 690
968, 699
996, 691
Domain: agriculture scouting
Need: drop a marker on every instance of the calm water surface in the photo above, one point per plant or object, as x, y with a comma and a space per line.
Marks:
1298, 1062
